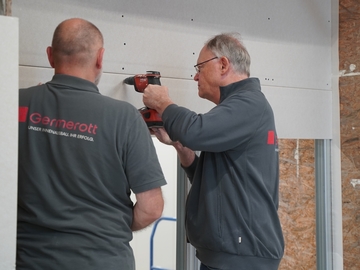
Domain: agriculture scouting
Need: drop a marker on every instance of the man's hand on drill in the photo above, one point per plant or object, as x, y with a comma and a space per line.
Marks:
156, 97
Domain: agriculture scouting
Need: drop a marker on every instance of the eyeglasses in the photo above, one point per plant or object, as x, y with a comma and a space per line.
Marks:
197, 66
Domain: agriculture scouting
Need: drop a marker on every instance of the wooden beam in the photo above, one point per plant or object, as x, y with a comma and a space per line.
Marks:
8, 4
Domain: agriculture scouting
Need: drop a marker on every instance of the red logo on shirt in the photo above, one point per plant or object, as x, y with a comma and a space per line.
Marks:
23, 111
37, 118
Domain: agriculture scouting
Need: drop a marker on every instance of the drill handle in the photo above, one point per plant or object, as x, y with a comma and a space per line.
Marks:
154, 80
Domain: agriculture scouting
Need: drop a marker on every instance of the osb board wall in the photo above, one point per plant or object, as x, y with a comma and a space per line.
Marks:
297, 203
297, 175
349, 84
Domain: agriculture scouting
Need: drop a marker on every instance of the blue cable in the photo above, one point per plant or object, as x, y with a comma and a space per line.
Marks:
152, 242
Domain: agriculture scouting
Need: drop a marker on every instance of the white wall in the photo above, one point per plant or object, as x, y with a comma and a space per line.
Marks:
9, 61
289, 42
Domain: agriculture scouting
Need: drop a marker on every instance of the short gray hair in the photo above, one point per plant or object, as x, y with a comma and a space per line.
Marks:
230, 46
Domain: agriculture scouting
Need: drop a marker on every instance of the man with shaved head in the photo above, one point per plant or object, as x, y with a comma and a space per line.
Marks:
77, 49
80, 156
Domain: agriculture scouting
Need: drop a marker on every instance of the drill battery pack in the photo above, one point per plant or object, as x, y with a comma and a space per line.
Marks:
151, 117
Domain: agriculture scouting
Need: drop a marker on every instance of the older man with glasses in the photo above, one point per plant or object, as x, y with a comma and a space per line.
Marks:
231, 209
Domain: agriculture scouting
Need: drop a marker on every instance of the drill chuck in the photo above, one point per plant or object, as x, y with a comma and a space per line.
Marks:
130, 80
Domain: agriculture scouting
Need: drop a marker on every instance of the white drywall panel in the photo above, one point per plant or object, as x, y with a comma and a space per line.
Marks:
290, 45
9, 76
299, 113
289, 41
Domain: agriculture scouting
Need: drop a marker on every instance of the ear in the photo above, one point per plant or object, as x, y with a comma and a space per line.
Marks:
99, 59
225, 65
50, 56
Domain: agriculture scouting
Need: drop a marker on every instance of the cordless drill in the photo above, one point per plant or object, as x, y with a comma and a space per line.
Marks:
140, 82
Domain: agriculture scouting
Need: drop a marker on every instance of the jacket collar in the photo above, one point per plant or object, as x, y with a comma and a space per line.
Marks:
243, 85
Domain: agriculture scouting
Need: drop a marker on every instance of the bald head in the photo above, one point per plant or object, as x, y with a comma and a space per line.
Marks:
76, 41
77, 49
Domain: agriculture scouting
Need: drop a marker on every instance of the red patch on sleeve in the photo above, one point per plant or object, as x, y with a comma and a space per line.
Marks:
271, 137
